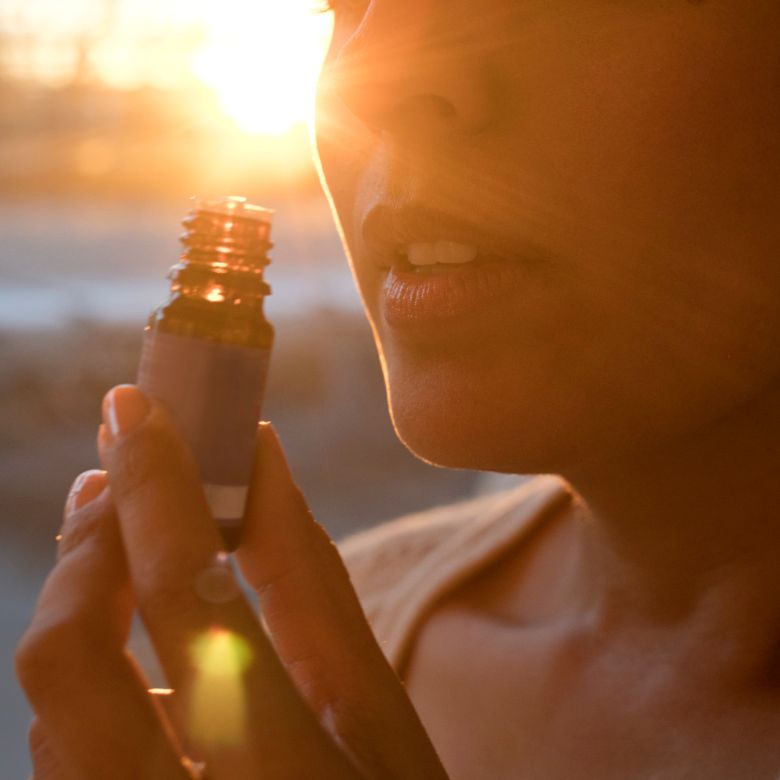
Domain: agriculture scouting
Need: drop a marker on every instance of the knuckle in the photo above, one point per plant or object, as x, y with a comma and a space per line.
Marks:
350, 726
36, 734
39, 657
153, 456
141, 456
274, 580
47, 654
44, 760
82, 525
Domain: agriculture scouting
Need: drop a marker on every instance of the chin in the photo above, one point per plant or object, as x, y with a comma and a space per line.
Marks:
497, 412
462, 423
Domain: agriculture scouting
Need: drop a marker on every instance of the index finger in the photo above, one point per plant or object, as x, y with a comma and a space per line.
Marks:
171, 540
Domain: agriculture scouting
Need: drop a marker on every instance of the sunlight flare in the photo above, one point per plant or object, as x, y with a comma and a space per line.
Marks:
262, 59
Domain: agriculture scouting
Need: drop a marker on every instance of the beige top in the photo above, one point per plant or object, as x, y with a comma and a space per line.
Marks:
403, 568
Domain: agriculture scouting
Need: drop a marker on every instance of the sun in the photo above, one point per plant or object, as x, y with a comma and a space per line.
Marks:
262, 58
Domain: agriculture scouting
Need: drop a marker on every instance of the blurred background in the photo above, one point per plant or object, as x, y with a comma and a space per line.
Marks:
112, 114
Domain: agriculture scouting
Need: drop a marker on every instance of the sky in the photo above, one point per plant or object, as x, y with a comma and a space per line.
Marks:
238, 48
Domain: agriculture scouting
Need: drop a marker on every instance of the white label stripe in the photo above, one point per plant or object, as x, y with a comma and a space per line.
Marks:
226, 502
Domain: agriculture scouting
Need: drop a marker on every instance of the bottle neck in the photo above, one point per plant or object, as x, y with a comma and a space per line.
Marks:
217, 287
232, 242
223, 260
208, 282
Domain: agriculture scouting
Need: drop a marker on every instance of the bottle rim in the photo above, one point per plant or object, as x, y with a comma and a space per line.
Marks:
233, 206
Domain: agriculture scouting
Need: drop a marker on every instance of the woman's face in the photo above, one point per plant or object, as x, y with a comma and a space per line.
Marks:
613, 166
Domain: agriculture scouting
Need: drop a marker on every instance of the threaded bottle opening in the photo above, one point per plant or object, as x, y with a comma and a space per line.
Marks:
228, 233
233, 206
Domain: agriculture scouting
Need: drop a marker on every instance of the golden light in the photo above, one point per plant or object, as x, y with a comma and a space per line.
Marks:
218, 704
94, 157
262, 59
216, 294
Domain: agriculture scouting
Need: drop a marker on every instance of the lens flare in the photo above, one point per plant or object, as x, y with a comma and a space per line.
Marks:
218, 706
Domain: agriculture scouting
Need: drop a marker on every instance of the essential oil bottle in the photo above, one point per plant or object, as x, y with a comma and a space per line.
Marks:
206, 349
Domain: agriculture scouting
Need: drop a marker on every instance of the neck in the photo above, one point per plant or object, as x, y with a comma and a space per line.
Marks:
689, 539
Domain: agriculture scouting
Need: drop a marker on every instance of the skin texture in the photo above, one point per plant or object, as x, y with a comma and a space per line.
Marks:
630, 153
314, 697
627, 156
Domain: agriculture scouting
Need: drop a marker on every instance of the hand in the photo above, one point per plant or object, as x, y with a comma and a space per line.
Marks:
307, 695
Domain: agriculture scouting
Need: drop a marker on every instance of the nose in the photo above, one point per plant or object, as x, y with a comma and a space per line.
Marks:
410, 68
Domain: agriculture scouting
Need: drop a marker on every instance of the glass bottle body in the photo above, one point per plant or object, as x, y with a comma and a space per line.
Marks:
207, 347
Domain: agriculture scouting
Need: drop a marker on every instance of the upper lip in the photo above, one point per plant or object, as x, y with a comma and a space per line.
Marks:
387, 230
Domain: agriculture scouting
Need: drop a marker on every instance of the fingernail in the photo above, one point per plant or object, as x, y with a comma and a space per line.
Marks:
124, 409
86, 487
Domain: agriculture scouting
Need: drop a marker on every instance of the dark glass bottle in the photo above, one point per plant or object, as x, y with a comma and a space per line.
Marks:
207, 347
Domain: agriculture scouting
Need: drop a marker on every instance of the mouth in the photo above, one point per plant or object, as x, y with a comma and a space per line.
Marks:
435, 257
438, 269
421, 239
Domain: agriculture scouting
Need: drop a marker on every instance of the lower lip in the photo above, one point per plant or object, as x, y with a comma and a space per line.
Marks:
416, 298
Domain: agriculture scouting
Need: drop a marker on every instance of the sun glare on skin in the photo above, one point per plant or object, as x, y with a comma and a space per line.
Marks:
262, 59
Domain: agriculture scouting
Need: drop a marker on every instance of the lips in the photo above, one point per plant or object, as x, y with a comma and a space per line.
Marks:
439, 254
388, 232
438, 269
410, 298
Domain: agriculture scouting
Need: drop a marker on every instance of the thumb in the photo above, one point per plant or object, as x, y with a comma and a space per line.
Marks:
319, 630
289, 560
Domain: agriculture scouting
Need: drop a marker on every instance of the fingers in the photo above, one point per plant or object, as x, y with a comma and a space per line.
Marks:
319, 629
307, 600
89, 698
46, 763
85, 488
48, 766
237, 700
171, 542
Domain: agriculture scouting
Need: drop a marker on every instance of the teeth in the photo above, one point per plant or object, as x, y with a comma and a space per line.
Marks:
444, 252
454, 254
422, 254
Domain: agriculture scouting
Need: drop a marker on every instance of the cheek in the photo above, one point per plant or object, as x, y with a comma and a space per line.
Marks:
341, 146
653, 175
595, 385
670, 139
